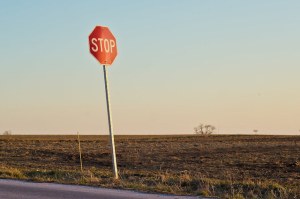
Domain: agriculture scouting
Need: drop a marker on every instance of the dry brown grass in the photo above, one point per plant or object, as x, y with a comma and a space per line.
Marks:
224, 166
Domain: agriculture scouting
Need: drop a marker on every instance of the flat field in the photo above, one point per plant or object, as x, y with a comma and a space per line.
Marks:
225, 166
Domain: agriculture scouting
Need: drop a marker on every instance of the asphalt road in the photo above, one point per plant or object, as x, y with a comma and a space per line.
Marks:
13, 189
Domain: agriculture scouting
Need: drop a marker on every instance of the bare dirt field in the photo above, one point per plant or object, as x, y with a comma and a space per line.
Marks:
225, 166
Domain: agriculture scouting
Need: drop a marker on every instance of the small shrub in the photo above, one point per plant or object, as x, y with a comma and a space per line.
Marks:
204, 129
7, 132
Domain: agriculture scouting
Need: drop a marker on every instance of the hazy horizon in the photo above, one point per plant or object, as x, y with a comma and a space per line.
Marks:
216, 132
231, 64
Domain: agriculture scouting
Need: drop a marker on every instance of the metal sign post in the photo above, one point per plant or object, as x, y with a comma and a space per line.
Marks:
110, 125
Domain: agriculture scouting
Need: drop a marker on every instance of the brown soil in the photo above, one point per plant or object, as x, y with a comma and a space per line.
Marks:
275, 158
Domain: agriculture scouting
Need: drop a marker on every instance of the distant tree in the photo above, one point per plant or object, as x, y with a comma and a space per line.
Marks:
255, 131
204, 129
7, 133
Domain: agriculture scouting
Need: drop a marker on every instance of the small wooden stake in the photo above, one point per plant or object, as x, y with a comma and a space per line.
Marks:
79, 148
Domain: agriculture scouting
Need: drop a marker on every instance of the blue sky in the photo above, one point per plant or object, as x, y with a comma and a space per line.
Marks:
232, 64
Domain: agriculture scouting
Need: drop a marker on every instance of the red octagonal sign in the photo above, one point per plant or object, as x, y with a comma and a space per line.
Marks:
103, 45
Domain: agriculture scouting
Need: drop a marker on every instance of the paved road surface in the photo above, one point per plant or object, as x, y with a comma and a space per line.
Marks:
13, 189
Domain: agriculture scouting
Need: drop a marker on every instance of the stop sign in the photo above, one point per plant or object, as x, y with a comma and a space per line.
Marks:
103, 45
